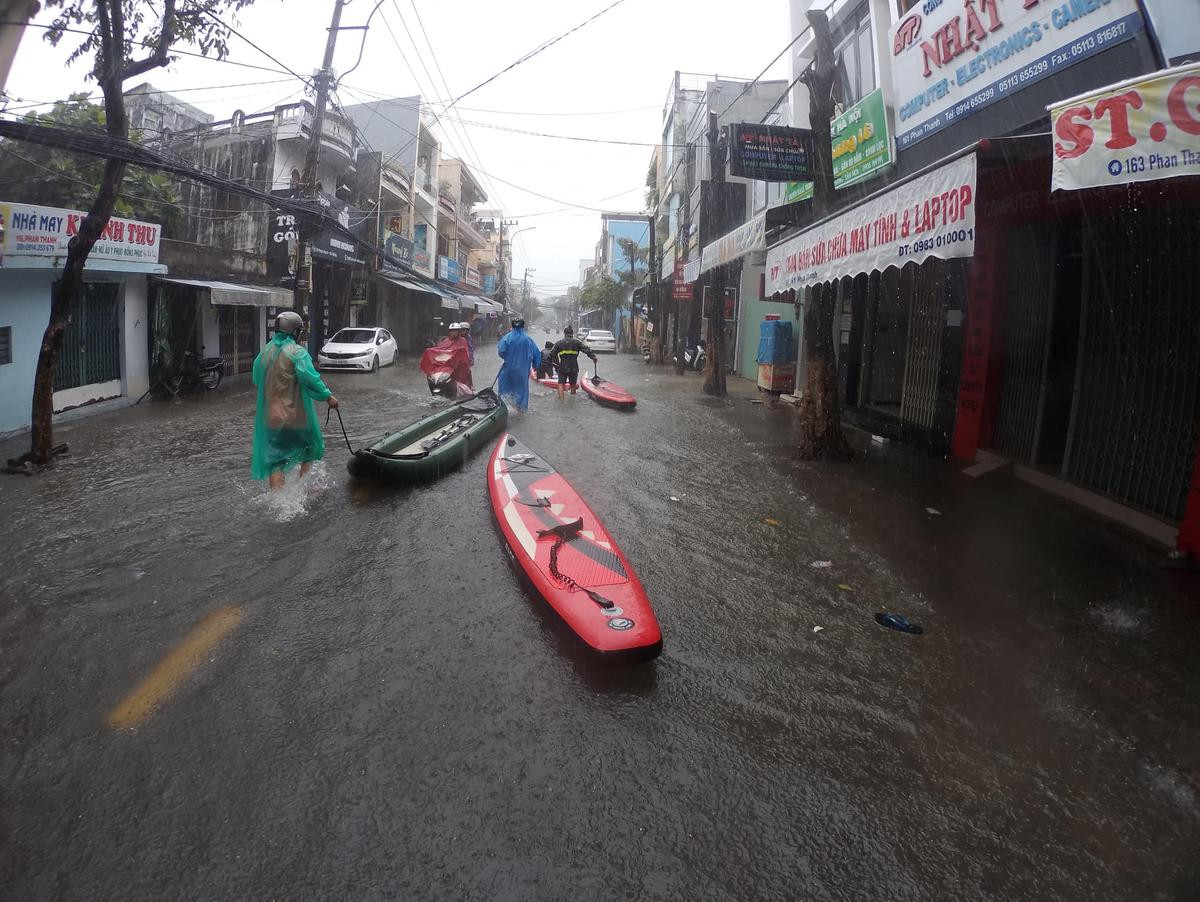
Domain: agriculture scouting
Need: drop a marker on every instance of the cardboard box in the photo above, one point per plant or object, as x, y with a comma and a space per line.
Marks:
780, 377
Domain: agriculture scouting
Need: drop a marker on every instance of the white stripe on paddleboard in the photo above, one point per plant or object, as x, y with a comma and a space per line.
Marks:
520, 530
509, 485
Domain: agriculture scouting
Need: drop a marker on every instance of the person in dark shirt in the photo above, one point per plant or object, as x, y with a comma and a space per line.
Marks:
566, 357
546, 366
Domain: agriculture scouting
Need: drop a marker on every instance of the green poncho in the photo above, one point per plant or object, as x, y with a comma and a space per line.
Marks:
286, 429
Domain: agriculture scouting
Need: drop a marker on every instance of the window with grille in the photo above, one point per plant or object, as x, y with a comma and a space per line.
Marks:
5, 345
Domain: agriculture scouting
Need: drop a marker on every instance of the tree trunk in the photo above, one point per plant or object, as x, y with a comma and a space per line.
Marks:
821, 435
62, 307
820, 421
714, 375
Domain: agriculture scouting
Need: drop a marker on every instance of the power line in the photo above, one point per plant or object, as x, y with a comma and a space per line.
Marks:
544, 46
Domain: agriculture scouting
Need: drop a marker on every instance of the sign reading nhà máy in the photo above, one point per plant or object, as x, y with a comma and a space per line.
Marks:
951, 58
32, 231
1137, 131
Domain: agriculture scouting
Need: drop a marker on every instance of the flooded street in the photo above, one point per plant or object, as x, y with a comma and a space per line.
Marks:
343, 691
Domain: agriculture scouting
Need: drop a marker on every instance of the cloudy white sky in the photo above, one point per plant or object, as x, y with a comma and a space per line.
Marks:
608, 81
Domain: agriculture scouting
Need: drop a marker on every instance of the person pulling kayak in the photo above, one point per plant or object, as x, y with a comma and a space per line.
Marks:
520, 354
545, 368
566, 357
286, 429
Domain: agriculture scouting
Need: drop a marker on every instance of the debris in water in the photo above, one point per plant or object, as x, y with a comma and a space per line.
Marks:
771, 521
898, 622
880, 440
817, 629
673, 498
845, 588
934, 511
821, 565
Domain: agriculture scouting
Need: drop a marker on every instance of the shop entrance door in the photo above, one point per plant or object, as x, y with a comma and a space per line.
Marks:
91, 342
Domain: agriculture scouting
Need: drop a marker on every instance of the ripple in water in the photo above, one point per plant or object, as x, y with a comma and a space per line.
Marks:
297, 494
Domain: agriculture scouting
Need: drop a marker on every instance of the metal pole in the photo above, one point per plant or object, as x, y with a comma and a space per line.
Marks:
303, 294
714, 380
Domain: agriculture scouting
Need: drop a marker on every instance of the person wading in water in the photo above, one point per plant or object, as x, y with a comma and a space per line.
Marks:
566, 358
286, 430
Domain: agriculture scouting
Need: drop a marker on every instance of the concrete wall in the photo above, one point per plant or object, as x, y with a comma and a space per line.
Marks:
25, 306
750, 314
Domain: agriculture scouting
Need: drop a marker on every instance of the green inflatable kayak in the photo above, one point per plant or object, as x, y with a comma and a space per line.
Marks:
433, 446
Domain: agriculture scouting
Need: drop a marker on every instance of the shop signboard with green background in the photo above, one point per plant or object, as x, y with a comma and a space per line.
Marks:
862, 146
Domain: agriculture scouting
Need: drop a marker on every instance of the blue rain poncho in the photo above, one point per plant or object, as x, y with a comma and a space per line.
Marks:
520, 354
286, 429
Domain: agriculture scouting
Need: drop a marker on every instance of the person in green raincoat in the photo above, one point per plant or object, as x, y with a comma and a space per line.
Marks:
286, 430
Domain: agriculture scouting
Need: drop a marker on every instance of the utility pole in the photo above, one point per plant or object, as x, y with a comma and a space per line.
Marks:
502, 282
714, 379
305, 301
655, 265
525, 294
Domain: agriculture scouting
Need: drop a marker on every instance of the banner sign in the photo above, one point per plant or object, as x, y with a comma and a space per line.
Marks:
680, 289
951, 59
932, 216
472, 277
770, 153
448, 270
32, 231
422, 260
861, 143
489, 283
1137, 131
752, 236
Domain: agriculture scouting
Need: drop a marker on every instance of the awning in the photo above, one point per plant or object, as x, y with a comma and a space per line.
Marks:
691, 272
237, 295
932, 215
750, 236
403, 280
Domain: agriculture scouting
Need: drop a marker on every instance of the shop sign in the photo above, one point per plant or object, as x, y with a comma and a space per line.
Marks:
680, 289
399, 247
489, 283
1137, 131
449, 270
861, 143
422, 260
932, 216
33, 231
751, 236
472, 277
797, 191
770, 153
952, 59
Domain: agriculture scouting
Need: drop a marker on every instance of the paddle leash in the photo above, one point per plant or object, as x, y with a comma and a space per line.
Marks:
330, 410
563, 534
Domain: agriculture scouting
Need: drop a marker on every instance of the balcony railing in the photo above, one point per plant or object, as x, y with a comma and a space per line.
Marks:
468, 231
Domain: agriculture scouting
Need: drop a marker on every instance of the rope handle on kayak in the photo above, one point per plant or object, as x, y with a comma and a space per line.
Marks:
330, 410
563, 534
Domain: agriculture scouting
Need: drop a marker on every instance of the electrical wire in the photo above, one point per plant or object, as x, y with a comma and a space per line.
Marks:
362, 45
541, 47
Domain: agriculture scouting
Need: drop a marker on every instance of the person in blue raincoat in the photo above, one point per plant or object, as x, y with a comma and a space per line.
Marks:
520, 354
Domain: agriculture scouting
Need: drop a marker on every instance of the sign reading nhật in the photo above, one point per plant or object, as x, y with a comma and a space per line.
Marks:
951, 59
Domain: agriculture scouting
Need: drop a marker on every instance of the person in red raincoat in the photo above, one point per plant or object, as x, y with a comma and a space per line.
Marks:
451, 355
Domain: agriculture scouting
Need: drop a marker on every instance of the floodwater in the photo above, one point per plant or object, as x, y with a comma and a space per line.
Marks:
343, 691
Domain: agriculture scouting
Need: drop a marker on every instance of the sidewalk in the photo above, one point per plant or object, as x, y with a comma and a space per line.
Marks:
994, 554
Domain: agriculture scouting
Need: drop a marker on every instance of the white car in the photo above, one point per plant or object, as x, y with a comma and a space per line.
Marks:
600, 340
360, 348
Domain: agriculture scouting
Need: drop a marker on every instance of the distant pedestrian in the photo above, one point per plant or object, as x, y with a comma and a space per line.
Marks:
520, 355
566, 357
286, 429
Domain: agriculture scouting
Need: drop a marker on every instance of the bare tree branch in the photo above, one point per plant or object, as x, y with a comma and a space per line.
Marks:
159, 56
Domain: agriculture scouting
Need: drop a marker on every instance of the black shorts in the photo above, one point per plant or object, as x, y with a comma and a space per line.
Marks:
568, 375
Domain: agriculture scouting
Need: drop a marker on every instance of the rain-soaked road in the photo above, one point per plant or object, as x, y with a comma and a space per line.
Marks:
343, 692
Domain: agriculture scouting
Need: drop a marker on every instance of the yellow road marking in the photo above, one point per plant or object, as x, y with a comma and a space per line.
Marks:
166, 676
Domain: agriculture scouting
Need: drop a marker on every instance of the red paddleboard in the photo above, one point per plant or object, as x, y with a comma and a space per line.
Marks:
607, 392
548, 381
568, 555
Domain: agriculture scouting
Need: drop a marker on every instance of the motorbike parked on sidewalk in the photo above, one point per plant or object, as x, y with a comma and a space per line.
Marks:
197, 374
694, 358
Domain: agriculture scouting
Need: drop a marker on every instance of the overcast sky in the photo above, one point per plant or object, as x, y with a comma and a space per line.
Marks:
608, 80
